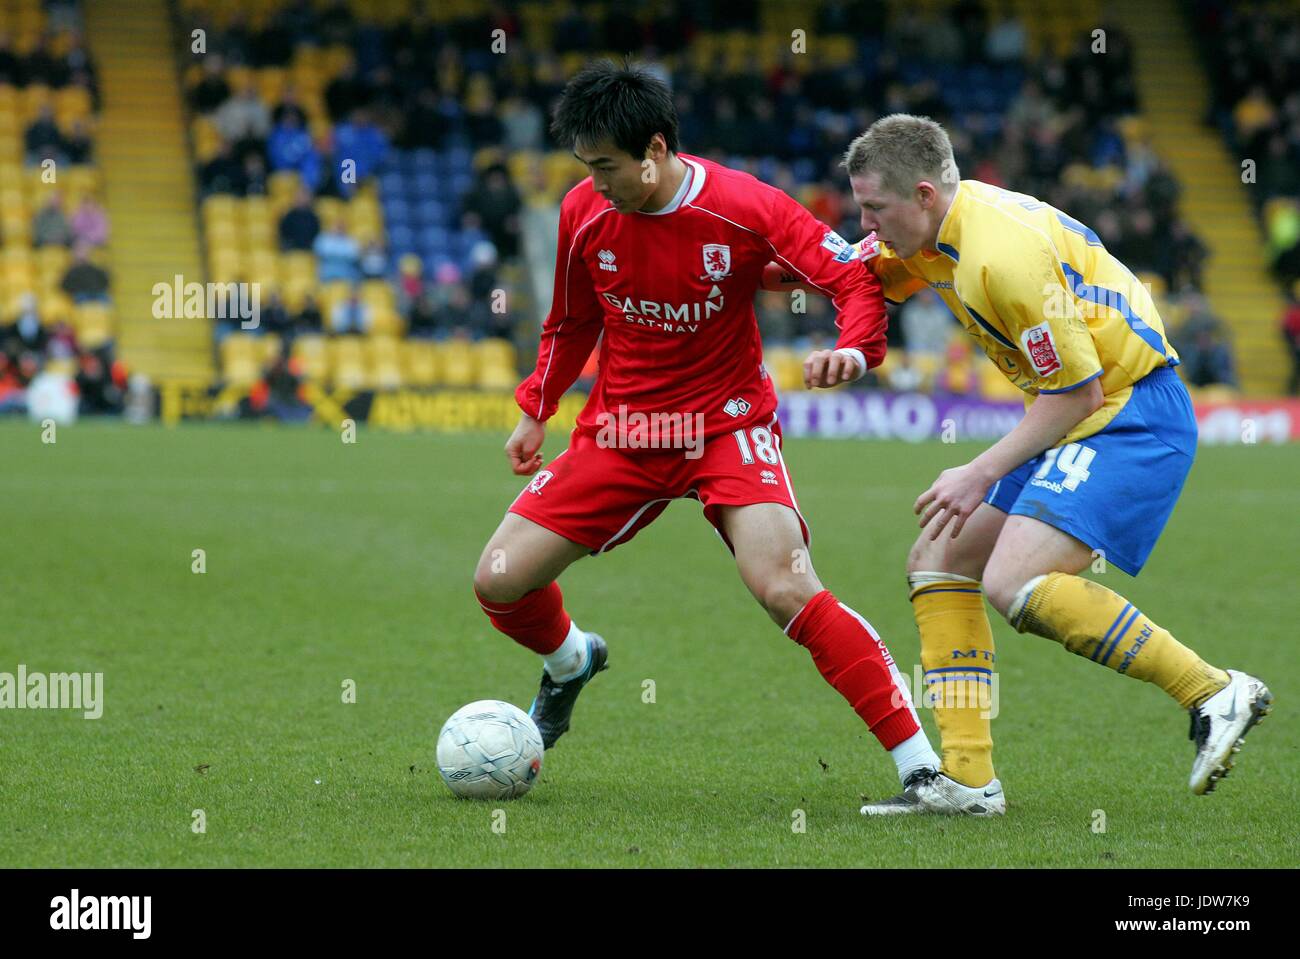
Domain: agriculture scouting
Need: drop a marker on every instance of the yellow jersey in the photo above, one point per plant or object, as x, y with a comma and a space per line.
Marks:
1038, 290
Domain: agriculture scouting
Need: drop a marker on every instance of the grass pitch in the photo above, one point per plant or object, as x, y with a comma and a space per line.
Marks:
326, 562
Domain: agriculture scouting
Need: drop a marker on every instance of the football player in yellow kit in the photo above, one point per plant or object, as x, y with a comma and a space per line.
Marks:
1094, 467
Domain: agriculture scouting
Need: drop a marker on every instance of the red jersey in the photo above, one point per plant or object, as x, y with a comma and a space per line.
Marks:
673, 294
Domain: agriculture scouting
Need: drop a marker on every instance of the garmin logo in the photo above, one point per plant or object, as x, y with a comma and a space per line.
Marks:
76, 912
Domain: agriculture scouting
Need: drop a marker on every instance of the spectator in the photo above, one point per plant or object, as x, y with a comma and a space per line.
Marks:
84, 281
254, 175
290, 147
374, 261
1291, 335
222, 174
497, 204
1204, 352
410, 282
244, 121
90, 223
278, 393
78, 145
345, 93
523, 124
299, 226
26, 332
43, 139
10, 73
461, 316
308, 319
274, 318
362, 142
212, 90
50, 227
289, 106
99, 389
927, 324
350, 315
337, 256
422, 317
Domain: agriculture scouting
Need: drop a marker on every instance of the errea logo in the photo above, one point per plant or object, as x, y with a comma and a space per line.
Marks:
606, 258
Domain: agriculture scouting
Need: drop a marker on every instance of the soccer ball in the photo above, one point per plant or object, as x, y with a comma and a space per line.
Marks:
489, 750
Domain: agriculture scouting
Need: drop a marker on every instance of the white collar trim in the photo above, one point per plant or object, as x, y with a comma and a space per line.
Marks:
691, 186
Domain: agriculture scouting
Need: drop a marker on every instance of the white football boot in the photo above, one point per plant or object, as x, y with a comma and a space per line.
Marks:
1219, 727
927, 791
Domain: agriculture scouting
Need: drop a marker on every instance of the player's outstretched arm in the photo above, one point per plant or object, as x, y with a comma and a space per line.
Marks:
525, 445
778, 278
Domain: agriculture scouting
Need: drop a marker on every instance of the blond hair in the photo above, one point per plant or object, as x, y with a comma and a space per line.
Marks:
904, 150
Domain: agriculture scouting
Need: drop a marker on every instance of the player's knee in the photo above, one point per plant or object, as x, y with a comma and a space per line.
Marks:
944, 555
784, 596
492, 579
1001, 586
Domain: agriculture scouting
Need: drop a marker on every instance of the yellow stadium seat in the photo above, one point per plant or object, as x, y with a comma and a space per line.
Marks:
994, 386
55, 307
294, 292
784, 366
93, 323
283, 184
309, 352
420, 362
347, 362
298, 265
219, 206
385, 366
493, 376
497, 352
377, 293
330, 295
386, 321
457, 362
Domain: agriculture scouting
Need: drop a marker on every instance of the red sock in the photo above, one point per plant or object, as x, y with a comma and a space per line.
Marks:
853, 659
536, 620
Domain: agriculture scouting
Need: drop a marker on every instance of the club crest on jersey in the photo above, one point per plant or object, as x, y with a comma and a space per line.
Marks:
606, 258
1039, 346
540, 480
717, 261
736, 407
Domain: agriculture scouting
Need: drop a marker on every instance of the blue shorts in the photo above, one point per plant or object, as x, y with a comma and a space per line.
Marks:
1115, 490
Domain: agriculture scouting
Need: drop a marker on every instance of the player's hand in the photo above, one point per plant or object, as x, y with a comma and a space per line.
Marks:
951, 499
524, 446
828, 368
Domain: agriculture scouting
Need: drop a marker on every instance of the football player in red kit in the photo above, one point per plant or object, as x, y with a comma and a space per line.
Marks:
660, 255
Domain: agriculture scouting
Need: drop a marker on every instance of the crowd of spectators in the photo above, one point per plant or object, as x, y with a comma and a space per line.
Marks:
1059, 127
1253, 55
31, 343
386, 99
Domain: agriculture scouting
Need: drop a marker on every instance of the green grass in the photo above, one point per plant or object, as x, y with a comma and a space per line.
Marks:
328, 562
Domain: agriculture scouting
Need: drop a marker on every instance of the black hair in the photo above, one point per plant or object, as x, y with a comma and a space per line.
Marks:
625, 105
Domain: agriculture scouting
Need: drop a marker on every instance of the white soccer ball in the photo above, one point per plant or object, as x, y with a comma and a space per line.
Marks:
490, 750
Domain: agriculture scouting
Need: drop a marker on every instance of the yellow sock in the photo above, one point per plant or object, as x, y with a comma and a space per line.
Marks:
957, 656
1090, 620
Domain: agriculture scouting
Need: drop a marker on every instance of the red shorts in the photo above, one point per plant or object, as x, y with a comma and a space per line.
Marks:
601, 496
